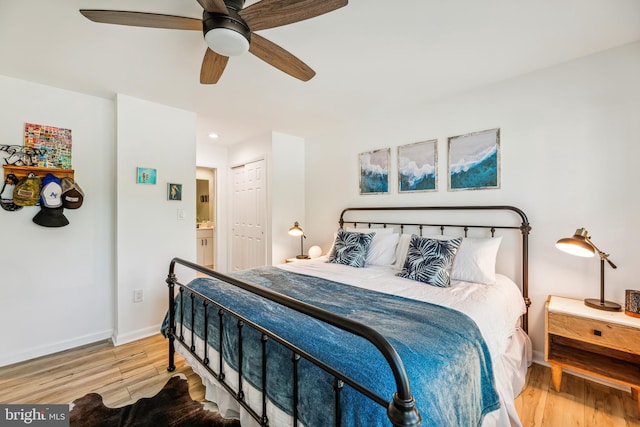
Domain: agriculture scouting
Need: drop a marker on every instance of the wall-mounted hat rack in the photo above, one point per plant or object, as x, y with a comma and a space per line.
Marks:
22, 171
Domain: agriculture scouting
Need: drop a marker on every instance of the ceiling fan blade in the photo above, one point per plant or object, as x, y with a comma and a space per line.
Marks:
213, 66
215, 6
274, 13
142, 19
276, 56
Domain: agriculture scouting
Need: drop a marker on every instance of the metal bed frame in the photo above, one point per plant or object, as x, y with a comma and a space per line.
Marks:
401, 409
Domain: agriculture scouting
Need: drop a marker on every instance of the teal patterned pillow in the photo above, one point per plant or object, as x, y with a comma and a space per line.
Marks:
430, 260
351, 248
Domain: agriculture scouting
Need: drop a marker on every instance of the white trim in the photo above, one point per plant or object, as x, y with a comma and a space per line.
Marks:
119, 339
243, 163
44, 350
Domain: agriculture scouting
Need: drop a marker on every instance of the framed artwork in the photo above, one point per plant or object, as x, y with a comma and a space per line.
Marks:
474, 161
174, 191
52, 145
374, 171
418, 166
146, 176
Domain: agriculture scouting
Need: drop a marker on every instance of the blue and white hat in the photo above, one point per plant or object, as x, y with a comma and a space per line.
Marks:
51, 211
51, 192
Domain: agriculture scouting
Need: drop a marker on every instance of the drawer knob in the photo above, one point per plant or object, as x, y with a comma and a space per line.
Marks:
597, 333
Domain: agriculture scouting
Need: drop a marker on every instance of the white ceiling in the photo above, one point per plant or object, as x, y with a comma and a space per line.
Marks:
370, 57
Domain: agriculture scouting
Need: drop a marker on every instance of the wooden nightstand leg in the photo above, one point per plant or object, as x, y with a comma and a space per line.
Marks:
556, 376
635, 393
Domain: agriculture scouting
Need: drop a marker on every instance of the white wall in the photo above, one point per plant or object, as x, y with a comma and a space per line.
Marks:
149, 231
569, 147
284, 156
288, 197
57, 284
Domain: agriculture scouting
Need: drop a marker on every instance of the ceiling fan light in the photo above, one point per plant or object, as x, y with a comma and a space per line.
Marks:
226, 42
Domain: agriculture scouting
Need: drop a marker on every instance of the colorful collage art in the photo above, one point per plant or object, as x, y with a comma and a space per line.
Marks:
52, 144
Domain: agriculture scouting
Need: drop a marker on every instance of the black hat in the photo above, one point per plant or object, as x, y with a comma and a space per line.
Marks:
51, 217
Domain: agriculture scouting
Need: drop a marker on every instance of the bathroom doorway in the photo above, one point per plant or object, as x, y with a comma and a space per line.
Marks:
206, 216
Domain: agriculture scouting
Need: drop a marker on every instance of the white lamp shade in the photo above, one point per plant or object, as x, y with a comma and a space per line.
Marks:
296, 230
315, 251
226, 42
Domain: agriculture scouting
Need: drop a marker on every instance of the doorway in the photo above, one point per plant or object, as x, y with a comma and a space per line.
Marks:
206, 217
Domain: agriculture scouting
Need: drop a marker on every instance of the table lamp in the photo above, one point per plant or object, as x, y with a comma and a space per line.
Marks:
580, 244
296, 230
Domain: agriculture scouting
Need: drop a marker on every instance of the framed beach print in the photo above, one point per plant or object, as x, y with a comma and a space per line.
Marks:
146, 176
374, 171
174, 191
418, 167
474, 161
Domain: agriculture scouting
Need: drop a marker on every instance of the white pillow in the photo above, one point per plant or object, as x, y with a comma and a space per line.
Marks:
379, 231
383, 249
383, 246
475, 260
401, 251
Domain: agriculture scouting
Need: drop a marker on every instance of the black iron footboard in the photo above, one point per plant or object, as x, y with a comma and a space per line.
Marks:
401, 409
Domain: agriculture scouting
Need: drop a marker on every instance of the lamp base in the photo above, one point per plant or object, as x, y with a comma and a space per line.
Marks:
302, 256
606, 305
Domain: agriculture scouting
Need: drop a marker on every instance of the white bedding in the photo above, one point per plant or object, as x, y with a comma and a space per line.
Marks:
496, 309
475, 300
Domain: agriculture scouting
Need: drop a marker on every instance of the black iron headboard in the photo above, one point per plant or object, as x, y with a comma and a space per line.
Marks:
524, 227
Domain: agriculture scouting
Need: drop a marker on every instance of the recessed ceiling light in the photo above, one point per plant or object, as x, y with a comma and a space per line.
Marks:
213, 135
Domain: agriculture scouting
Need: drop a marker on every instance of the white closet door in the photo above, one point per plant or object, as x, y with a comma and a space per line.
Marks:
248, 247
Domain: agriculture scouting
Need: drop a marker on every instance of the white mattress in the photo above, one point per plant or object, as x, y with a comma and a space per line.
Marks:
496, 309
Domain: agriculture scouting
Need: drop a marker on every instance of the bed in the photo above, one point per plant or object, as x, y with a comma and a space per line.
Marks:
406, 321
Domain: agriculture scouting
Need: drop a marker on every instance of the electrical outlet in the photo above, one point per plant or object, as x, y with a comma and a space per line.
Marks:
180, 214
137, 295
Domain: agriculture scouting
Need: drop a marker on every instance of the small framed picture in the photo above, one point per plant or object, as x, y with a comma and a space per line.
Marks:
174, 191
146, 176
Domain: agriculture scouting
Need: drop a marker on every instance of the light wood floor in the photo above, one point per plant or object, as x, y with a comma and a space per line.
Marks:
129, 372
122, 374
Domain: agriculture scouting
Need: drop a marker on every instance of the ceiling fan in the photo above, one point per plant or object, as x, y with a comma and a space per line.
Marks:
228, 30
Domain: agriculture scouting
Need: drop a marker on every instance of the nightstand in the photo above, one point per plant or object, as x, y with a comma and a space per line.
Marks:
601, 343
294, 259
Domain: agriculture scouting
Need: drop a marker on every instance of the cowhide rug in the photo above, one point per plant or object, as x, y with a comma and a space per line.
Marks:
171, 407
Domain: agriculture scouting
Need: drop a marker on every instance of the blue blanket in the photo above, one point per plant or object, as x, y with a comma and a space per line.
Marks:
446, 359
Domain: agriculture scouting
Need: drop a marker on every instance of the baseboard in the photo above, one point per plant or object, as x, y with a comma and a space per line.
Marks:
538, 357
119, 339
44, 350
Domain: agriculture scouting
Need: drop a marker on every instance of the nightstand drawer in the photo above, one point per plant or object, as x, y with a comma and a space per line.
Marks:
597, 332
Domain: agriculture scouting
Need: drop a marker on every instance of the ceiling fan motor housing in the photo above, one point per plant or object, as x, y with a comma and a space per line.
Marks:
224, 30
